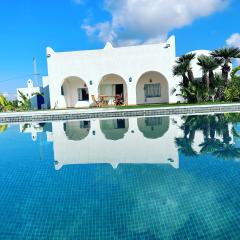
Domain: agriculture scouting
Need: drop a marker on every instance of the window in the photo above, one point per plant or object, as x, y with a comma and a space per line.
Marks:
152, 90
153, 121
62, 91
83, 94
85, 124
119, 123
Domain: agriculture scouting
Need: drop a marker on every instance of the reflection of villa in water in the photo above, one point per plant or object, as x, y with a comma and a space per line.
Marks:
35, 128
115, 141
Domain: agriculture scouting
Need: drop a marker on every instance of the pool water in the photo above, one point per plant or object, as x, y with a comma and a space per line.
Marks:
166, 177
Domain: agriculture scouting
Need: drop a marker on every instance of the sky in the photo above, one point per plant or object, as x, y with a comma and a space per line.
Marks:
27, 27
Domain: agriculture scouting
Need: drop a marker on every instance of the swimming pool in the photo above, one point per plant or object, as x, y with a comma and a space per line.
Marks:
171, 177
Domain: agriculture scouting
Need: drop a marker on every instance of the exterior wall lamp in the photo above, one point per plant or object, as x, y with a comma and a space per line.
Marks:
130, 79
167, 45
90, 82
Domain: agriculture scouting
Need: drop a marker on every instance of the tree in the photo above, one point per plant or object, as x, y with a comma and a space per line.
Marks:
232, 91
5, 105
234, 72
180, 70
25, 103
208, 64
187, 59
226, 55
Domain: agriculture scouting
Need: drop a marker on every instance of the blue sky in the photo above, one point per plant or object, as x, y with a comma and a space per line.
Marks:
27, 27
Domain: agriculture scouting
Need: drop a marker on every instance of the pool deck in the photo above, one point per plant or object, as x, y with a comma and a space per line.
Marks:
96, 113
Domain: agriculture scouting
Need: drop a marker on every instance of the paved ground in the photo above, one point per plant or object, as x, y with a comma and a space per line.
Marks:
69, 114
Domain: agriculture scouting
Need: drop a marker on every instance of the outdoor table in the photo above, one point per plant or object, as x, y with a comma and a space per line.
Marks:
105, 99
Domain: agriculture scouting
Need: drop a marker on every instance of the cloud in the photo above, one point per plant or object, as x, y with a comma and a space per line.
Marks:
234, 41
140, 21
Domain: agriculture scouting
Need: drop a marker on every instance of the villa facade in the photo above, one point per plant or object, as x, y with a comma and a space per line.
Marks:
139, 74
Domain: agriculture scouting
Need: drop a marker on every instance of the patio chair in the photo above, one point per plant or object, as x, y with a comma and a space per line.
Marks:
118, 101
96, 102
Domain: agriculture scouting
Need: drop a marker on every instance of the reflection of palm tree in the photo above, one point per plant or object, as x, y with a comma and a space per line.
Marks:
210, 145
185, 146
3, 128
210, 126
227, 151
25, 127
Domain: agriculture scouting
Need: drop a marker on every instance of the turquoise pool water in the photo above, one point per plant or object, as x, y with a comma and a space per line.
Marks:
172, 177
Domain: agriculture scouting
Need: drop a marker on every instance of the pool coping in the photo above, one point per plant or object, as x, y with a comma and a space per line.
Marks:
96, 113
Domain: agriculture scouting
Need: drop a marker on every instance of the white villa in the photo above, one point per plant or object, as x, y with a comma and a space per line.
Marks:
139, 74
31, 93
39, 96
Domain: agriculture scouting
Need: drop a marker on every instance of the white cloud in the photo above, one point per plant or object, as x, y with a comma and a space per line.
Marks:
234, 41
138, 21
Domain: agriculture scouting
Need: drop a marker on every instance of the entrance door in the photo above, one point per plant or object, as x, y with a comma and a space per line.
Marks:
40, 101
119, 90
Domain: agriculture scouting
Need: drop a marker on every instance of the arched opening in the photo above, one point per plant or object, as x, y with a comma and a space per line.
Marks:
112, 85
114, 129
40, 101
77, 130
153, 127
152, 87
75, 92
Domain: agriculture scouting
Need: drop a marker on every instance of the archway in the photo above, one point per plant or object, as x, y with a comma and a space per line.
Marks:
77, 130
152, 87
112, 85
153, 127
75, 92
114, 129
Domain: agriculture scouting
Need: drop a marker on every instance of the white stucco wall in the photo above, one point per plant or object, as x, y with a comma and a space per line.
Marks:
127, 62
45, 90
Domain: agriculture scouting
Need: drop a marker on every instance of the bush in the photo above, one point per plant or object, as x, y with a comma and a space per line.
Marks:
232, 91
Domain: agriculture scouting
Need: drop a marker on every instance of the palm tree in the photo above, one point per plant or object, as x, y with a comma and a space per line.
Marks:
5, 105
180, 70
24, 102
226, 55
203, 64
234, 71
208, 65
187, 59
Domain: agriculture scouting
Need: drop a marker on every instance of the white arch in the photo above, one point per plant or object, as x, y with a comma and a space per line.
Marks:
70, 90
157, 93
77, 130
108, 85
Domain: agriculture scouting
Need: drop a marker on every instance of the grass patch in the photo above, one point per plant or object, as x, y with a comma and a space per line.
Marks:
159, 105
